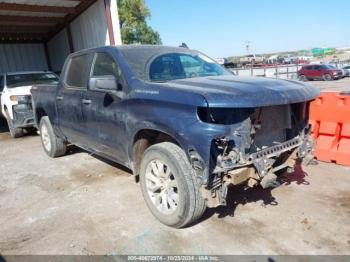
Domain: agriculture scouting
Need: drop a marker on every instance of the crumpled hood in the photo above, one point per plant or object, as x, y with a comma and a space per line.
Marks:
20, 91
234, 91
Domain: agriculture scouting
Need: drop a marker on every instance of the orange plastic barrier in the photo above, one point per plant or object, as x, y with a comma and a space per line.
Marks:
330, 120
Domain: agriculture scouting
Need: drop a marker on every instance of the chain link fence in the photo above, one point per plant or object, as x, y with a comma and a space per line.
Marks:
288, 71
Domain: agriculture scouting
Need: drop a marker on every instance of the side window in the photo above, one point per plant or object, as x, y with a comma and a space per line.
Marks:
76, 72
105, 65
317, 67
1, 83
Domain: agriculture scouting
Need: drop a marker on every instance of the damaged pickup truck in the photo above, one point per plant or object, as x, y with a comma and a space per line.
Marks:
186, 126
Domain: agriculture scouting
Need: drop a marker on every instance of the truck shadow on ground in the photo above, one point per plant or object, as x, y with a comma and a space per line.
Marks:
72, 149
239, 195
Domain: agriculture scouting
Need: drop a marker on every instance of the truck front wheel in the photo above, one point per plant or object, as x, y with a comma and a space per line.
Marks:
169, 185
53, 145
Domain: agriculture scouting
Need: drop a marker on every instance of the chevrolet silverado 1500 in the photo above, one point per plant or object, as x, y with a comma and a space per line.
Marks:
186, 126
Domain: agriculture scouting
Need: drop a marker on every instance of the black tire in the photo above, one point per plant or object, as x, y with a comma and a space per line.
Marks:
31, 130
58, 146
327, 77
14, 131
191, 205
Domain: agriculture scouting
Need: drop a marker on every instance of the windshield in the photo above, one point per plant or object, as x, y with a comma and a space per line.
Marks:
173, 66
328, 67
13, 81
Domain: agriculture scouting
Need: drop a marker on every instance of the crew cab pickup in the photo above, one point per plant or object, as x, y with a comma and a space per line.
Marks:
186, 126
16, 105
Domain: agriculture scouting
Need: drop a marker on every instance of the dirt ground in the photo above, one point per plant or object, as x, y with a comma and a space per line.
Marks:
80, 204
338, 85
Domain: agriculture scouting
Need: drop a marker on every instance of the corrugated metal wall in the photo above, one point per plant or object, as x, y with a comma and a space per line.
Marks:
58, 48
90, 29
22, 57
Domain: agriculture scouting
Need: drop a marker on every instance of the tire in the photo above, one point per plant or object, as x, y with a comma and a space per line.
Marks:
31, 130
327, 77
53, 145
303, 78
184, 189
14, 131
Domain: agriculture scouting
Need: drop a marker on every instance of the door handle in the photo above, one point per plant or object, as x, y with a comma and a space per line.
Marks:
59, 98
86, 101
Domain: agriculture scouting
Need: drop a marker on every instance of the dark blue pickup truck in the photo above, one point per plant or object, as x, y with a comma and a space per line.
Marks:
186, 126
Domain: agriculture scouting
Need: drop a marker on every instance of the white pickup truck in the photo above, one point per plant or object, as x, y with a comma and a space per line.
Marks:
16, 104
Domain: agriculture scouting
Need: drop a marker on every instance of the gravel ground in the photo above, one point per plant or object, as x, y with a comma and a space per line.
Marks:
80, 204
337, 85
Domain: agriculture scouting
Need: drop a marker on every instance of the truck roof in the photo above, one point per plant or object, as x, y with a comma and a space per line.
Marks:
136, 49
150, 47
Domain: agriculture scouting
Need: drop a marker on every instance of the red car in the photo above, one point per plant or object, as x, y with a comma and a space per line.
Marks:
320, 72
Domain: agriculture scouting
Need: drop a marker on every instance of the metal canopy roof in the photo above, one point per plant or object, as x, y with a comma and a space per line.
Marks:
37, 20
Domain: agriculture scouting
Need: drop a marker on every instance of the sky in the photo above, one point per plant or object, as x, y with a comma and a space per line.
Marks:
221, 28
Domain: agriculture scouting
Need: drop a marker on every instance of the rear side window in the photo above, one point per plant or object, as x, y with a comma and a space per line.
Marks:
76, 72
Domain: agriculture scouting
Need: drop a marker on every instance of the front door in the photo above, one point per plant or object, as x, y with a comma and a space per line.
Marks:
104, 108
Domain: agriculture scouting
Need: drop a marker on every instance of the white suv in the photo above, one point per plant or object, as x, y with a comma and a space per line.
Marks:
16, 105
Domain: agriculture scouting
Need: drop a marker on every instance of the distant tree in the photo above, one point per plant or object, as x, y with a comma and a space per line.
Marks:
133, 25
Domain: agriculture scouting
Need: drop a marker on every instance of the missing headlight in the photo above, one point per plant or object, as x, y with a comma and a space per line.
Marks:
223, 116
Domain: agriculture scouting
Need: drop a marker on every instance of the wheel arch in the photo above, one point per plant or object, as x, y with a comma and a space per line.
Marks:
39, 113
143, 139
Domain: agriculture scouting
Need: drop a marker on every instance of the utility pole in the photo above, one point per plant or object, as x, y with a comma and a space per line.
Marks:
247, 46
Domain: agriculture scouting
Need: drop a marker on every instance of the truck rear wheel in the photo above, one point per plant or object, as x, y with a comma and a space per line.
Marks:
327, 77
303, 78
14, 131
53, 145
169, 185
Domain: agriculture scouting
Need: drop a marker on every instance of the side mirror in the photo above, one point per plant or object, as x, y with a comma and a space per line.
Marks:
107, 83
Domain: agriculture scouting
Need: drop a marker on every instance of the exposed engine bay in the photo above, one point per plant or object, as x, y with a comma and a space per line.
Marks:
264, 142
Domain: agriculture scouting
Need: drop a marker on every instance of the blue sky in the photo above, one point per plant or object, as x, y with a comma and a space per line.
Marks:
221, 28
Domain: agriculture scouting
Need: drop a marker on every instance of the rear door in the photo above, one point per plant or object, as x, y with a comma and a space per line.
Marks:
103, 108
317, 71
69, 99
309, 71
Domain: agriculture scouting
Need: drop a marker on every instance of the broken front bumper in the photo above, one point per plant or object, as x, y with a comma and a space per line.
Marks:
263, 164
258, 167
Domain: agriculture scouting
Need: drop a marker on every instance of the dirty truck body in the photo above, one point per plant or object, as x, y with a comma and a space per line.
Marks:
186, 126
